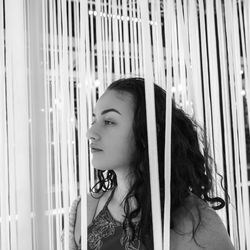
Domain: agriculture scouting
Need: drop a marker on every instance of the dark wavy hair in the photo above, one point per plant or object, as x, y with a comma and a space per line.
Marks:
190, 168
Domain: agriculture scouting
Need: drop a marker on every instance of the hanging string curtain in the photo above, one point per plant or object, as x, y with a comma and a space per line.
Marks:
15, 191
119, 40
197, 50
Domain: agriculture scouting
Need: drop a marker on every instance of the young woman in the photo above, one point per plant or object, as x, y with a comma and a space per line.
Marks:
119, 207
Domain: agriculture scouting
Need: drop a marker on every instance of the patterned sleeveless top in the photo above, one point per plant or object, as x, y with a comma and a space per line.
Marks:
104, 232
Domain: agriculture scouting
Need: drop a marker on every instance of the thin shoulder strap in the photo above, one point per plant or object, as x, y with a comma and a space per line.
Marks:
92, 208
110, 197
93, 203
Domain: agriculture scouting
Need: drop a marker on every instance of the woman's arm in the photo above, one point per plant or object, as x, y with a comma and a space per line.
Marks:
72, 219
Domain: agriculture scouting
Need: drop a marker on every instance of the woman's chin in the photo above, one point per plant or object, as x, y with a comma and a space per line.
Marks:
99, 165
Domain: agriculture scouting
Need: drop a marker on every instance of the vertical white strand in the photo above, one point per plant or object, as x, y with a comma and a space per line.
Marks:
47, 84
131, 26
168, 18
229, 25
134, 30
93, 51
91, 99
58, 110
115, 40
92, 47
242, 40
10, 128
151, 126
241, 123
106, 44
15, 20
90, 171
214, 87
160, 68
204, 56
73, 89
66, 139
59, 102
181, 98
55, 166
83, 152
4, 188
121, 41
78, 30
110, 52
226, 122
183, 37
195, 62
140, 49
38, 135
67, 45
126, 40
99, 43
175, 59
154, 44
206, 86
246, 9
103, 44
244, 31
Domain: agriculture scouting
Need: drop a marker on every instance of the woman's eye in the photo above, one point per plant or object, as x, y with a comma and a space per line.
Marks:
108, 122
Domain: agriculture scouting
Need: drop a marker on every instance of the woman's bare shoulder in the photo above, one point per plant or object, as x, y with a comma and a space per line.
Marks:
198, 217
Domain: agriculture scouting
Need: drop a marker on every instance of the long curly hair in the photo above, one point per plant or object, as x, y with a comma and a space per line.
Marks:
190, 168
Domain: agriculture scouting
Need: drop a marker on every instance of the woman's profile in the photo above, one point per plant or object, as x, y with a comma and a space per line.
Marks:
119, 207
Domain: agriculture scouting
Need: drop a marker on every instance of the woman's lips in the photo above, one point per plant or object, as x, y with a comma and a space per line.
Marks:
94, 150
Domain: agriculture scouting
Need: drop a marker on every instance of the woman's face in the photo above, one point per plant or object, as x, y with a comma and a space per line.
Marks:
112, 132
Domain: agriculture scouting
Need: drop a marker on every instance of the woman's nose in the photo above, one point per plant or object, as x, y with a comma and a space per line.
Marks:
92, 134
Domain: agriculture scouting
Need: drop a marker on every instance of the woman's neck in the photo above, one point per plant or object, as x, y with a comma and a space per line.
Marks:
124, 183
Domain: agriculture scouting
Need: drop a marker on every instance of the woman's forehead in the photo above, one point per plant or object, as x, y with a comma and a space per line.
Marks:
121, 101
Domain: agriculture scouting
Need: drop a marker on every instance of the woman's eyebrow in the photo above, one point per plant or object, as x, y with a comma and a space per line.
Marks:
106, 111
